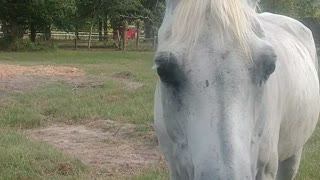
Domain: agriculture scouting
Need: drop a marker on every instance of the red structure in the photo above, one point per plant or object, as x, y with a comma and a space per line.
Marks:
131, 33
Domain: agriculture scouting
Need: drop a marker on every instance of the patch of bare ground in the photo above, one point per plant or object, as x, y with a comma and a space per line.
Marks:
125, 77
25, 78
113, 149
16, 70
18, 78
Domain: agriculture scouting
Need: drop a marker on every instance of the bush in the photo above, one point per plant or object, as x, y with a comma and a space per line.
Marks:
26, 45
111, 43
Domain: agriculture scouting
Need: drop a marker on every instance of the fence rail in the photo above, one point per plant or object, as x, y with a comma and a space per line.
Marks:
67, 40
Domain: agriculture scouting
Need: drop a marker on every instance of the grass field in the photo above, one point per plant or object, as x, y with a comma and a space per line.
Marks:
61, 102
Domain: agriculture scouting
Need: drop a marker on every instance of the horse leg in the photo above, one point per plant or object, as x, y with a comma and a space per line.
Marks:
289, 167
269, 171
177, 173
174, 175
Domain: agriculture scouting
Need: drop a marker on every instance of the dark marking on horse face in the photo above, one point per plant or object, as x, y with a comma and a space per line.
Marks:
177, 96
207, 83
225, 55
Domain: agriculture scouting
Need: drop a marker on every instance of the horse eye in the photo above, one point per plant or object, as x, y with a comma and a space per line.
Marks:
169, 70
265, 65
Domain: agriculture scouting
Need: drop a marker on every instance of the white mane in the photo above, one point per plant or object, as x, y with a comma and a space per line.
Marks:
232, 16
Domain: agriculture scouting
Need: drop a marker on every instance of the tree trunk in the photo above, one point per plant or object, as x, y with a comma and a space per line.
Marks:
15, 33
5, 29
105, 29
77, 34
115, 27
48, 33
153, 39
12, 33
119, 39
148, 29
75, 44
100, 29
33, 33
138, 35
124, 35
90, 33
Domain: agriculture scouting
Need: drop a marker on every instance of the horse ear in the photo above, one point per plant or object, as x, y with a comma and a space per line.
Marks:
253, 3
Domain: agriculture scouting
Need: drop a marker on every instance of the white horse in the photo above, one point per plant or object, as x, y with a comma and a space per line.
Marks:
238, 95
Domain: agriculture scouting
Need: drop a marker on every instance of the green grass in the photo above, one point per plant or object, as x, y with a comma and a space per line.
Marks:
77, 57
310, 166
22, 159
159, 173
60, 102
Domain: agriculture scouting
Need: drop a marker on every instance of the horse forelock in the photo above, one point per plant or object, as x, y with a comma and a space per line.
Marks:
232, 18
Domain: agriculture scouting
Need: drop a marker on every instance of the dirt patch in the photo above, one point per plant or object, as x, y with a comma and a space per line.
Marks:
22, 83
123, 75
18, 78
17, 70
126, 78
25, 78
131, 85
112, 148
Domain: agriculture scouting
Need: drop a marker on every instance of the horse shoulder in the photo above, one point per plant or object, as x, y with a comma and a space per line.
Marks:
299, 87
296, 29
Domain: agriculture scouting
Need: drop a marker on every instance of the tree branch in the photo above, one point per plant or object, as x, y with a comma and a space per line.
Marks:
136, 17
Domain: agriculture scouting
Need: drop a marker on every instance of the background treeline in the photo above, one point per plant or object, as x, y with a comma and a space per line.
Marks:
18, 17
42, 16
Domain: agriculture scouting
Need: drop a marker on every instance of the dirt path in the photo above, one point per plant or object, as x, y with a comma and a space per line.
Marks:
111, 148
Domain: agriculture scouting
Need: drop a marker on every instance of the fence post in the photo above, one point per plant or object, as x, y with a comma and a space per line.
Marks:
75, 43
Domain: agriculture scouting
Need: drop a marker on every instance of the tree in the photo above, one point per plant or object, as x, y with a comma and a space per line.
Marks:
37, 15
45, 13
293, 8
12, 16
16, 16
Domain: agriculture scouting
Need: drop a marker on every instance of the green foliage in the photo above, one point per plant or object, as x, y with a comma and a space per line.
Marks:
36, 15
26, 45
44, 13
294, 8
159, 173
71, 15
155, 10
